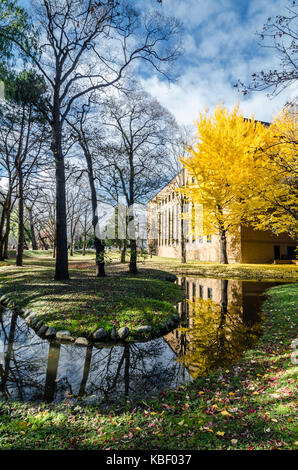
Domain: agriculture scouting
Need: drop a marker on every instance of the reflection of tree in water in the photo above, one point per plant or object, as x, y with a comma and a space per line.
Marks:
135, 369
51, 373
214, 335
21, 371
34, 369
113, 372
218, 334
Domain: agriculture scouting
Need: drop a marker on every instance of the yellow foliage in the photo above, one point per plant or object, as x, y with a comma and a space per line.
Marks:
222, 161
244, 172
218, 336
274, 204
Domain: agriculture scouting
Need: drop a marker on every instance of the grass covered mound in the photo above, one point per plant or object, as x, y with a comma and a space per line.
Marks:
85, 303
250, 406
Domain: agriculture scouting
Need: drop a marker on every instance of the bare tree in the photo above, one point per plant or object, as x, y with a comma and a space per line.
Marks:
85, 229
77, 204
85, 130
86, 46
29, 205
8, 175
111, 190
25, 138
43, 212
138, 132
280, 33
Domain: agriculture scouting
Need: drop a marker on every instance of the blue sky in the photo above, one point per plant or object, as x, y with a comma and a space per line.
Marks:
221, 46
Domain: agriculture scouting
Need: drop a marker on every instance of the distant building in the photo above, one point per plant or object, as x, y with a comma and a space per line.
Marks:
246, 246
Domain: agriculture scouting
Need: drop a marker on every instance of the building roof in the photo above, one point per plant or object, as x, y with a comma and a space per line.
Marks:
165, 185
265, 123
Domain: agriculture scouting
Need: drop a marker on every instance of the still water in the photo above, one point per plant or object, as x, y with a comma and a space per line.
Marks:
219, 322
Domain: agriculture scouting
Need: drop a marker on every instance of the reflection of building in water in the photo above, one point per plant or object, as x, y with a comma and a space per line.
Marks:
243, 294
220, 320
207, 288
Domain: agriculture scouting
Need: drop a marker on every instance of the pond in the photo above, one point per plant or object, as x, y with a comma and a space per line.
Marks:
219, 322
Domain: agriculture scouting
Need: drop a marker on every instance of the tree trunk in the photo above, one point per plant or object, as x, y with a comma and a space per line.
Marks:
132, 240
71, 246
99, 245
61, 272
2, 234
131, 217
6, 237
85, 235
223, 257
100, 254
123, 251
19, 258
45, 246
182, 236
7, 208
133, 257
32, 230
54, 247
84, 246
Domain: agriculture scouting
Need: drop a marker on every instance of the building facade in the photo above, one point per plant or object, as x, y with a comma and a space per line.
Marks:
166, 226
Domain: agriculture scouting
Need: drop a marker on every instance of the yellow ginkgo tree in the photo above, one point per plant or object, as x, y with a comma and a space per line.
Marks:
222, 163
274, 205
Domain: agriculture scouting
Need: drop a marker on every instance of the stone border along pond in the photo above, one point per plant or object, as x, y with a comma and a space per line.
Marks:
143, 332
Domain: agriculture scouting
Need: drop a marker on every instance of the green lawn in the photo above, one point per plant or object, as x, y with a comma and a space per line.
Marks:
270, 272
85, 303
250, 407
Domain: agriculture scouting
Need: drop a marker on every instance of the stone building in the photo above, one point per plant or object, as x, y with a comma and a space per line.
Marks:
245, 246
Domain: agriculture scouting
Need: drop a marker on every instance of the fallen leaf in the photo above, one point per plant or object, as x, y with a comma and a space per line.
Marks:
225, 413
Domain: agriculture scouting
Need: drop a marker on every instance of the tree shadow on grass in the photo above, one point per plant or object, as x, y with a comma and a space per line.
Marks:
124, 295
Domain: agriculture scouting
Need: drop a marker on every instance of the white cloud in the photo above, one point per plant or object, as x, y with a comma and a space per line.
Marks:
221, 47
194, 13
192, 95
